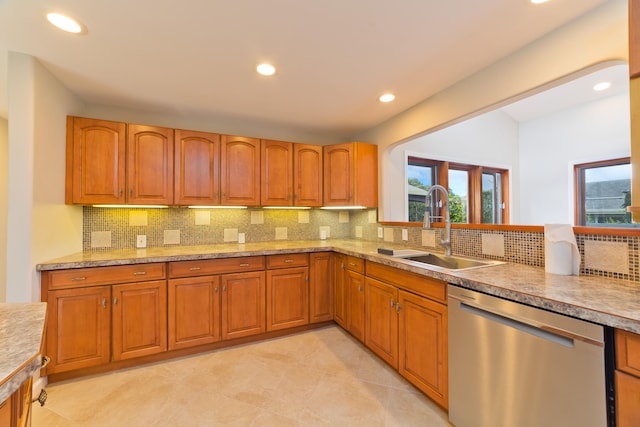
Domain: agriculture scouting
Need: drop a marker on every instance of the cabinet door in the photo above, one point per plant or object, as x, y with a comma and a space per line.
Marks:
149, 165
381, 328
320, 287
423, 345
627, 400
139, 319
355, 304
193, 311
340, 289
243, 304
338, 175
197, 168
5, 411
307, 175
78, 328
277, 173
287, 298
240, 171
95, 161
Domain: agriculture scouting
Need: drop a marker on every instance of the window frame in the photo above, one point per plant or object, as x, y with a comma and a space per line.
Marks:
474, 207
579, 169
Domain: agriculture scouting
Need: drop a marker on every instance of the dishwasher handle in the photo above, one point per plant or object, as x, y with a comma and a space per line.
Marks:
543, 332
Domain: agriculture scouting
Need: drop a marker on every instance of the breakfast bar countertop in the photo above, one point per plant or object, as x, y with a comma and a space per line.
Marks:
21, 330
612, 302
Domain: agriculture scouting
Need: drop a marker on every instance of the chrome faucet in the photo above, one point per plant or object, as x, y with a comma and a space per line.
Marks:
446, 242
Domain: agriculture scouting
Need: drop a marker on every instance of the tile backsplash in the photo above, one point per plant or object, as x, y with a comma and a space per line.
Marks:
109, 228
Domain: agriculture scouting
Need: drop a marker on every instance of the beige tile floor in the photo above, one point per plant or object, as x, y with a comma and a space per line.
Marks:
318, 378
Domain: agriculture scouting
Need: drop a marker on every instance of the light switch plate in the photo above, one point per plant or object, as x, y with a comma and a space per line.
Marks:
405, 234
380, 233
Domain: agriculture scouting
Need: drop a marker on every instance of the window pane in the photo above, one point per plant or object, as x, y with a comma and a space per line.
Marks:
459, 195
419, 180
491, 198
607, 194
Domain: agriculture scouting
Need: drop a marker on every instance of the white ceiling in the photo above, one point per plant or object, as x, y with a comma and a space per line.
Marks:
334, 57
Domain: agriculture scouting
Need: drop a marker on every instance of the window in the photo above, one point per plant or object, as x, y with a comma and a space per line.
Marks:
421, 175
476, 194
603, 192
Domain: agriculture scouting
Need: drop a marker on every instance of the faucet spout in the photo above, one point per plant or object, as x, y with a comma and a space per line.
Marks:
446, 242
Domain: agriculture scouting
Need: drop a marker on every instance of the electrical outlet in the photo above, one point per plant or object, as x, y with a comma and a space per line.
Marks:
141, 241
380, 233
241, 238
405, 234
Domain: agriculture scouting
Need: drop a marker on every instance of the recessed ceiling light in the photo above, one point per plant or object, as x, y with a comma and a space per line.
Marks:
538, 1
601, 86
266, 69
65, 23
387, 97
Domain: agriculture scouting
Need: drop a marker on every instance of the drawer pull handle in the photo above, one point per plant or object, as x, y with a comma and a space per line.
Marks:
244, 264
75, 279
194, 268
352, 264
393, 303
224, 288
288, 260
115, 301
139, 273
104, 303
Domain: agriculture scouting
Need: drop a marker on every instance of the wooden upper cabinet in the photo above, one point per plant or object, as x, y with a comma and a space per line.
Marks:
149, 165
307, 175
351, 175
276, 173
634, 38
240, 171
197, 168
95, 161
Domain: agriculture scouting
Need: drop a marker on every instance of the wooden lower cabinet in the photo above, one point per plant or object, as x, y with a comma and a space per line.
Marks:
381, 329
340, 289
78, 328
287, 298
320, 287
16, 410
355, 304
243, 304
139, 319
627, 378
423, 345
193, 311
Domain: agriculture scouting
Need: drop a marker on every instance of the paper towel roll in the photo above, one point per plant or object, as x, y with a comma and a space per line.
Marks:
561, 254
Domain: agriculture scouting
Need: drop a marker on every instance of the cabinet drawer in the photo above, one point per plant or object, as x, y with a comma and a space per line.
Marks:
422, 285
82, 277
628, 352
287, 260
215, 266
355, 264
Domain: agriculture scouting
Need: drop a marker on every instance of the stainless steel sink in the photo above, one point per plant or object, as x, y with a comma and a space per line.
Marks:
452, 262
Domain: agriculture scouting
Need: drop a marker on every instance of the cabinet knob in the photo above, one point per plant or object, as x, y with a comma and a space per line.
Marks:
215, 289
115, 301
398, 308
120, 192
224, 288
104, 303
393, 303
360, 289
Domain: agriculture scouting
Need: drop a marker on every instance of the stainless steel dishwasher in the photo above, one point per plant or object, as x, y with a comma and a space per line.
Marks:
512, 365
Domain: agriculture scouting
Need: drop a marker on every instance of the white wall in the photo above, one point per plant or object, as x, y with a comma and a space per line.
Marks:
227, 126
4, 187
551, 145
487, 140
596, 37
40, 225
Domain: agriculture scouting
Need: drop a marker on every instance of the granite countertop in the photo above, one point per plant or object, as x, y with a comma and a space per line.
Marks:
21, 331
611, 302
